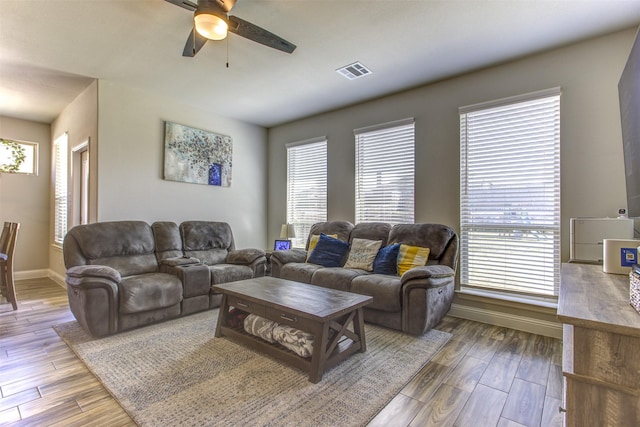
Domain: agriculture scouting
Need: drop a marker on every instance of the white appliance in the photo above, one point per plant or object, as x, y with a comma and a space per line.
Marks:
586, 236
619, 255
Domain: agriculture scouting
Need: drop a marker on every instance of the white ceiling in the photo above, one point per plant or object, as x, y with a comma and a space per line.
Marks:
50, 50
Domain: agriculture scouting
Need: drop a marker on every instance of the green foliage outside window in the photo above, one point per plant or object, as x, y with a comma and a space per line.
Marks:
17, 155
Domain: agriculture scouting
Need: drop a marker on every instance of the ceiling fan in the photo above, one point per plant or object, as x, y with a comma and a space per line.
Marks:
211, 22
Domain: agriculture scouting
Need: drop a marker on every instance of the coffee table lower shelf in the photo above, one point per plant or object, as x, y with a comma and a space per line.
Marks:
344, 349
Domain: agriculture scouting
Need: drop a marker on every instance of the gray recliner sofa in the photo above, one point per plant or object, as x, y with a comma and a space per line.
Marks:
125, 274
413, 302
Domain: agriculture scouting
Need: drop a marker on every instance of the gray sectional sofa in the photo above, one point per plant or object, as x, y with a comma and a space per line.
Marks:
413, 302
125, 274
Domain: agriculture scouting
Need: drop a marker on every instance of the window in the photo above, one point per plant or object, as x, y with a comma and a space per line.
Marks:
306, 186
18, 157
60, 188
510, 195
385, 169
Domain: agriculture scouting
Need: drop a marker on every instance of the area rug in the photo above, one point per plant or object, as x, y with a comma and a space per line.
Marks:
178, 373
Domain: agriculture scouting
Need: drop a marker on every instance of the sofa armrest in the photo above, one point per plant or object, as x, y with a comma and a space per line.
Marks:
280, 258
427, 294
88, 271
244, 256
180, 260
195, 277
429, 275
292, 255
93, 297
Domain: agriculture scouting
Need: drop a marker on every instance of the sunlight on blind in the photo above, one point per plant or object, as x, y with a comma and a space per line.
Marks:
306, 186
60, 188
510, 195
385, 169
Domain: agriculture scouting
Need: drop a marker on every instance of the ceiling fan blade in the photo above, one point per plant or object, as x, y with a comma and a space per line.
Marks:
189, 5
259, 35
193, 46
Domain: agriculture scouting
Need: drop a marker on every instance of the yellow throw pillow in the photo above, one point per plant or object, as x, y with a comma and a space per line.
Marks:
410, 257
314, 241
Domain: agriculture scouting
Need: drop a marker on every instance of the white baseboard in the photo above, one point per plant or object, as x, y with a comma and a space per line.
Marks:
39, 274
506, 320
57, 278
31, 274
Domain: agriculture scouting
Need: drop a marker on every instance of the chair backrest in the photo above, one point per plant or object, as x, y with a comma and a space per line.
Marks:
8, 240
4, 238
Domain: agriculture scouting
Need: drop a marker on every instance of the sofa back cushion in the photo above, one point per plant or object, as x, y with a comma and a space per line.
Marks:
168, 240
341, 229
208, 241
371, 231
127, 246
441, 240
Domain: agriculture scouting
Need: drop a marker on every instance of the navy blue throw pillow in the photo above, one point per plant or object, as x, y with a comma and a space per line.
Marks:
386, 260
329, 252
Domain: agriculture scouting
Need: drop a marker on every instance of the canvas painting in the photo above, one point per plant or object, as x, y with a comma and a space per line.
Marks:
197, 156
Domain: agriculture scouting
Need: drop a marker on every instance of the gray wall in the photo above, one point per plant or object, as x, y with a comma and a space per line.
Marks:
131, 162
25, 198
591, 147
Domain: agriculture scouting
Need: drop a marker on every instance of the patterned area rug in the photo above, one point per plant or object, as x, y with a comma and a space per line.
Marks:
178, 373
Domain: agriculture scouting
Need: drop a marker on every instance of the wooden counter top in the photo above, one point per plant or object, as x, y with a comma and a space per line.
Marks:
596, 300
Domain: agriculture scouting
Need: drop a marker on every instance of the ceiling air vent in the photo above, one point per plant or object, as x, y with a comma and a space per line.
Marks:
353, 71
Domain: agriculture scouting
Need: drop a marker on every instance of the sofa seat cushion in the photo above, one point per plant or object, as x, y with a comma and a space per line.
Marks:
224, 273
147, 292
385, 290
336, 277
299, 271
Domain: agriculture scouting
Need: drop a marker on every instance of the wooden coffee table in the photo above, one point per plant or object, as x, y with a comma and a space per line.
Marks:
324, 313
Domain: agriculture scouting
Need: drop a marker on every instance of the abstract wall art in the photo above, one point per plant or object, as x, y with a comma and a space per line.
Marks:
197, 156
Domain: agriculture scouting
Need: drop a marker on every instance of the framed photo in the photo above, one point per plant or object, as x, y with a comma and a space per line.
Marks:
282, 245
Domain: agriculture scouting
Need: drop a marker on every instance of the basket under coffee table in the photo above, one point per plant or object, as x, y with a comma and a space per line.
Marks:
324, 313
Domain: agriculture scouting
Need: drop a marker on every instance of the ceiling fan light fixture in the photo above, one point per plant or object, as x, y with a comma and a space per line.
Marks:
211, 24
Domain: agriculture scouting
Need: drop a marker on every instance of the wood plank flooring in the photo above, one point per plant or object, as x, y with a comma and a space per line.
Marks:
484, 376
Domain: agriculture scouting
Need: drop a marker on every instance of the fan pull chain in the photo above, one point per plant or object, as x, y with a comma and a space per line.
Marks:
227, 52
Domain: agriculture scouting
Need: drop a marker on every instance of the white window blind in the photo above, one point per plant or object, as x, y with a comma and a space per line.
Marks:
306, 186
60, 188
385, 169
510, 194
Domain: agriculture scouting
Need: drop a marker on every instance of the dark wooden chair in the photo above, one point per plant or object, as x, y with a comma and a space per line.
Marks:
7, 250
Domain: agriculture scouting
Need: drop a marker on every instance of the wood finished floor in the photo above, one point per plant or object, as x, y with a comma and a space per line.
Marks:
484, 376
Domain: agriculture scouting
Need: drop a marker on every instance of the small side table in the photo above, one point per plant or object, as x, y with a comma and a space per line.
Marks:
267, 267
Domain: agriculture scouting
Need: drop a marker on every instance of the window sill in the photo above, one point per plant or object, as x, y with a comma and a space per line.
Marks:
542, 305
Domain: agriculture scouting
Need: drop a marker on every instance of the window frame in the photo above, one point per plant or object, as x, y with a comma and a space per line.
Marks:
32, 151
388, 144
302, 222
547, 222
